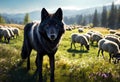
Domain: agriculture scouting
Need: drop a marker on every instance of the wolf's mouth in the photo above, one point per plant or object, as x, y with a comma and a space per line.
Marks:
52, 37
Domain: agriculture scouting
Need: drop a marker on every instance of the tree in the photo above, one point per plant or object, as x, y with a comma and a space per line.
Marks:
104, 17
116, 16
79, 19
95, 19
26, 18
2, 20
118, 20
84, 22
112, 16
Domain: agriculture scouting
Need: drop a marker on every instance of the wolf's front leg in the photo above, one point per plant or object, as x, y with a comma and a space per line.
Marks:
39, 62
52, 67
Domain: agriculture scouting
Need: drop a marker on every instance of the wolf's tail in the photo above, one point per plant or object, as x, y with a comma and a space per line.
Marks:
26, 49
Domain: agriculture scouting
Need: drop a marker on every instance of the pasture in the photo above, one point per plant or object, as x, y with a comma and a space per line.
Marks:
71, 65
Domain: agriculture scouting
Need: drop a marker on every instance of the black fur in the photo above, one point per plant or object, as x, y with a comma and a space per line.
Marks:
41, 42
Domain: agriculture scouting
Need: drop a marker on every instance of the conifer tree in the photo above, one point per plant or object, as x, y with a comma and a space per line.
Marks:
118, 16
26, 18
104, 17
111, 19
95, 19
2, 20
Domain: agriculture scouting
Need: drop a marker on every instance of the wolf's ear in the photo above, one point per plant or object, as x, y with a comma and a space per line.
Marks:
59, 14
44, 14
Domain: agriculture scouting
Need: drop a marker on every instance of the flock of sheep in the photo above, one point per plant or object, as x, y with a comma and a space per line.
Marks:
8, 33
109, 43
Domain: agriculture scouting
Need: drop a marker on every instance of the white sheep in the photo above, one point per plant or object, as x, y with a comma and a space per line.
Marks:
112, 31
114, 39
117, 33
90, 32
80, 30
109, 46
113, 35
1, 26
15, 31
96, 37
77, 38
1, 34
6, 34
87, 36
11, 32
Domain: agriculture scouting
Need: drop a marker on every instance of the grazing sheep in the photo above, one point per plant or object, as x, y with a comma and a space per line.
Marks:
11, 32
1, 34
117, 33
1, 26
90, 32
15, 31
113, 35
114, 39
73, 41
80, 30
87, 36
112, 31
96, 37
111, 47
6, 34
77, 38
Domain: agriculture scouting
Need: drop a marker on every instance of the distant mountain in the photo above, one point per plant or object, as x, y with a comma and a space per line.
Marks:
35, 15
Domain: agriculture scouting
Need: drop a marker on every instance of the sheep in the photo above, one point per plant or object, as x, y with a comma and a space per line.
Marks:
117, 33
80, 30
73, 36
1, 35
90, 32
11, 32
77, 38
109, 46
113, 35
87, 36
15, 31
96, 37
114, 39
112, 31
1, 26
6, 34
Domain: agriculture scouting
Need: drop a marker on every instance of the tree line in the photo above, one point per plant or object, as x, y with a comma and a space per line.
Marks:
4, 20
108, 18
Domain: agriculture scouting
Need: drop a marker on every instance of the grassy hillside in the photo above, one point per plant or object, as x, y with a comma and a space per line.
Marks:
71, 65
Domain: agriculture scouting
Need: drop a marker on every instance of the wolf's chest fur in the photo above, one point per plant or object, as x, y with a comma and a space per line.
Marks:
40, 43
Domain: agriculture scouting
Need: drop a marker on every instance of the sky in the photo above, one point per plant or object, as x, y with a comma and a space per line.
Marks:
23, 6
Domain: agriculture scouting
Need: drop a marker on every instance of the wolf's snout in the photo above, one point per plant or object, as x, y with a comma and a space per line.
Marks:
52, 37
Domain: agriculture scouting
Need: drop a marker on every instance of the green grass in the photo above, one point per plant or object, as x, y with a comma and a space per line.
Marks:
71, 65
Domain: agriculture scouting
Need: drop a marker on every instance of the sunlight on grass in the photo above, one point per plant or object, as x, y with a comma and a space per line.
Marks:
71, 65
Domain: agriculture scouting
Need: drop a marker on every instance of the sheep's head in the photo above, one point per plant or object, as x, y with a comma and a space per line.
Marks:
87, 47
117, 55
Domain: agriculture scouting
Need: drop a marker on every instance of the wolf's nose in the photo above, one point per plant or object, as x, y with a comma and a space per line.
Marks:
52, 37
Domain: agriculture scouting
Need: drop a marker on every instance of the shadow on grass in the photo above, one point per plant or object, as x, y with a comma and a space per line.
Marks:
19, 73
77, 51
74, 51
95, 46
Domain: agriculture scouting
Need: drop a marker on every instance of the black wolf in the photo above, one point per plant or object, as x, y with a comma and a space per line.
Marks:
44, 37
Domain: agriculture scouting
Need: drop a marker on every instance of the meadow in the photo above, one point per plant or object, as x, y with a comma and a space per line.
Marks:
71, 65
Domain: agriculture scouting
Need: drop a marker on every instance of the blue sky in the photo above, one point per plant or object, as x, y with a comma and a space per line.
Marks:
22, 6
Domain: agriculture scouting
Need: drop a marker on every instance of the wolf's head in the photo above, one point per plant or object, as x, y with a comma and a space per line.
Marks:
51, 26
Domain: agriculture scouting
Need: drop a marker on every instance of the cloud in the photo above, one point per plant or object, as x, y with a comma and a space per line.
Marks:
117, 2
70, 8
